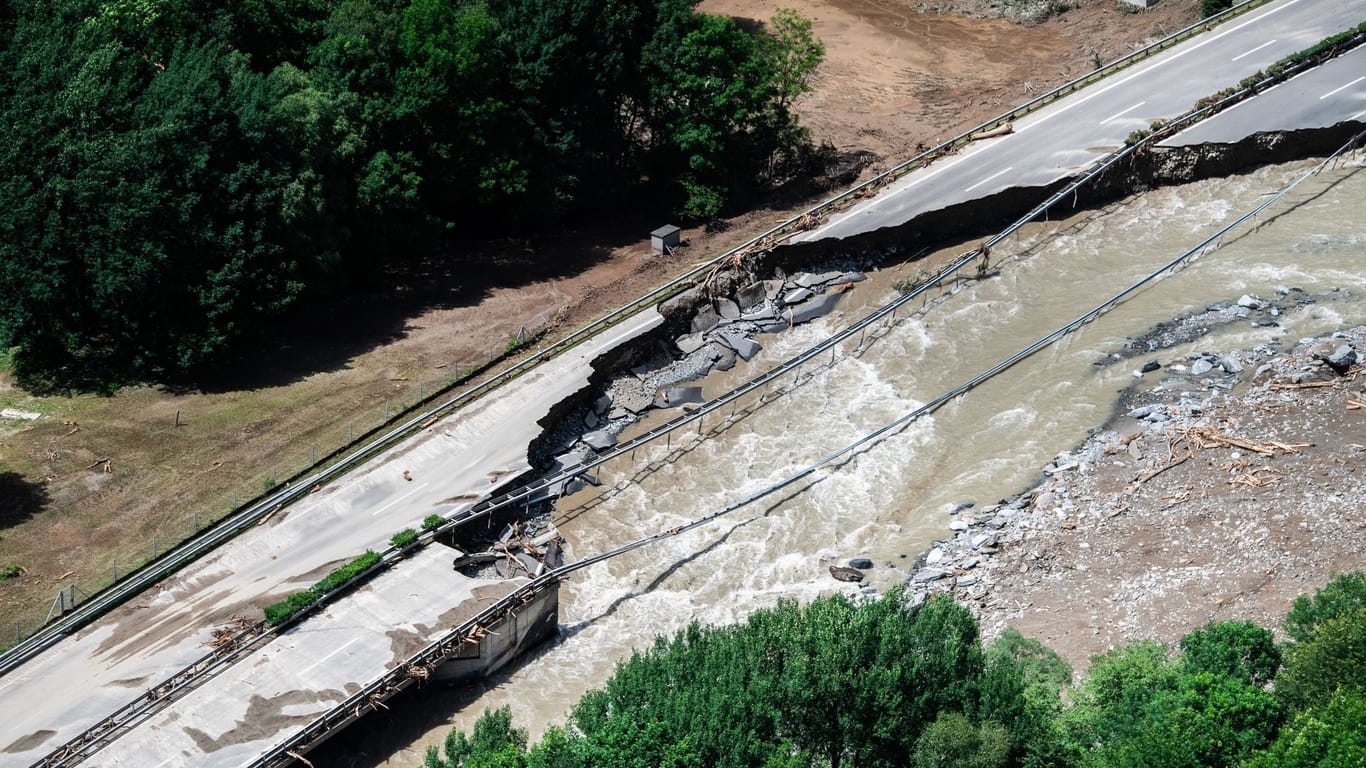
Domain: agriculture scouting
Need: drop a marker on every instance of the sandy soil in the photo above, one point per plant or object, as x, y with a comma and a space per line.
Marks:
101, 483
1198, 505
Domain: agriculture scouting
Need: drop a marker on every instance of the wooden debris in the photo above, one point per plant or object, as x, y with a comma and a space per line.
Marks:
108, 467
407, 476
1146, 476
1255, 479
1353, 405
1001, 130
1209, 437
1304, 385
270, 514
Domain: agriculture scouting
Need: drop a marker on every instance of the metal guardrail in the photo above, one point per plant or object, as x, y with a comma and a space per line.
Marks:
230, 526
373, 695
185, 680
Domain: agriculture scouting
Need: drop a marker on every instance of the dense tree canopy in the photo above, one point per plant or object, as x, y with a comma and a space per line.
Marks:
177, 174
836, 683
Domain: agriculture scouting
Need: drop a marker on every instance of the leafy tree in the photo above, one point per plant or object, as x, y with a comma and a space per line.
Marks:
1333, 660
1020, 689
1342, 595
829, 681
1237, 649
1039, 665
1329, 735
493, 744
1207, 721
953, 741
1119, 686
177, 176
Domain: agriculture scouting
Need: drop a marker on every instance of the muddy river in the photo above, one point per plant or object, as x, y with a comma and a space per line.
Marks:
891, 501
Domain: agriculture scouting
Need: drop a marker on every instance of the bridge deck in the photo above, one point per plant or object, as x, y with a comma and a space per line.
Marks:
256, 704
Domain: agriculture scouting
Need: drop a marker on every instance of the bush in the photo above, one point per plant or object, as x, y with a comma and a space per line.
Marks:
347, 572
11, 571
432, 522
404, 538
301, 600
278, 613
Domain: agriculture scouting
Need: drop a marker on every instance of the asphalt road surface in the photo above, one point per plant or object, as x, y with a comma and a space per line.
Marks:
1066, 137
471, 453
1322, 97
453, 464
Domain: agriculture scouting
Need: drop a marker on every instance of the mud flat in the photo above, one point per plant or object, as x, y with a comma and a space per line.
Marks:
1227, 484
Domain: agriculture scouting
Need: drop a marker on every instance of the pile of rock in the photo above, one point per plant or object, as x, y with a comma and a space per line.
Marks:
724, 328
720, 333
1111, 545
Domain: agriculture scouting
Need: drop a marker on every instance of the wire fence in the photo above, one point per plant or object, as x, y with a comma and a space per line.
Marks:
282, 478
768, 386
421, 663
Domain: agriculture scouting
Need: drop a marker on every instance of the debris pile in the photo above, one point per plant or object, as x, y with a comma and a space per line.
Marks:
521, 550
1211, 503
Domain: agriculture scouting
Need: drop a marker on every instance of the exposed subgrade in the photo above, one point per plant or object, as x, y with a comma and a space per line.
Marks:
712, 325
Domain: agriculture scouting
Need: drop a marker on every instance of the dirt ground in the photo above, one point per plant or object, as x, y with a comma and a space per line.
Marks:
1199, 505
98, 484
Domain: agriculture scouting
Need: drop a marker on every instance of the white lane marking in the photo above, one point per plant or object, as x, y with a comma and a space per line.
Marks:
343, 647
1204, 40
1254, 50
400, 498
1359, 114
1342, 87
1118, 115
916, 178
989, 178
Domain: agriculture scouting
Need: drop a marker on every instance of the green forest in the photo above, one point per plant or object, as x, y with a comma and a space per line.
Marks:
878, 685
176, 176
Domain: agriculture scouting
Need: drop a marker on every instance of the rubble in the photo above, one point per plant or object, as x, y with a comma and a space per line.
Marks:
1208, 504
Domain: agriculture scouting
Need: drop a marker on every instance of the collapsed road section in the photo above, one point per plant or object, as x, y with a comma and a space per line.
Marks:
411, 483
163, 631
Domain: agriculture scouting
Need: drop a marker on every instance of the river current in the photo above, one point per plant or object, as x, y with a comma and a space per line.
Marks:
891, 501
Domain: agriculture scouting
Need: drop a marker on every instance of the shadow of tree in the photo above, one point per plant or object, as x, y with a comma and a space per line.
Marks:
20, 499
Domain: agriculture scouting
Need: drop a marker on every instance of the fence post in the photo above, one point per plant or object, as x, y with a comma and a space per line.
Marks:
154, 546
116, 568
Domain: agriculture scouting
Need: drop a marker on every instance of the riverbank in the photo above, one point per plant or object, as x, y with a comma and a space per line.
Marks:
1226, 485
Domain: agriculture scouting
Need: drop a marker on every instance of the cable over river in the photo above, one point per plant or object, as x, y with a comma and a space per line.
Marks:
890, 501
